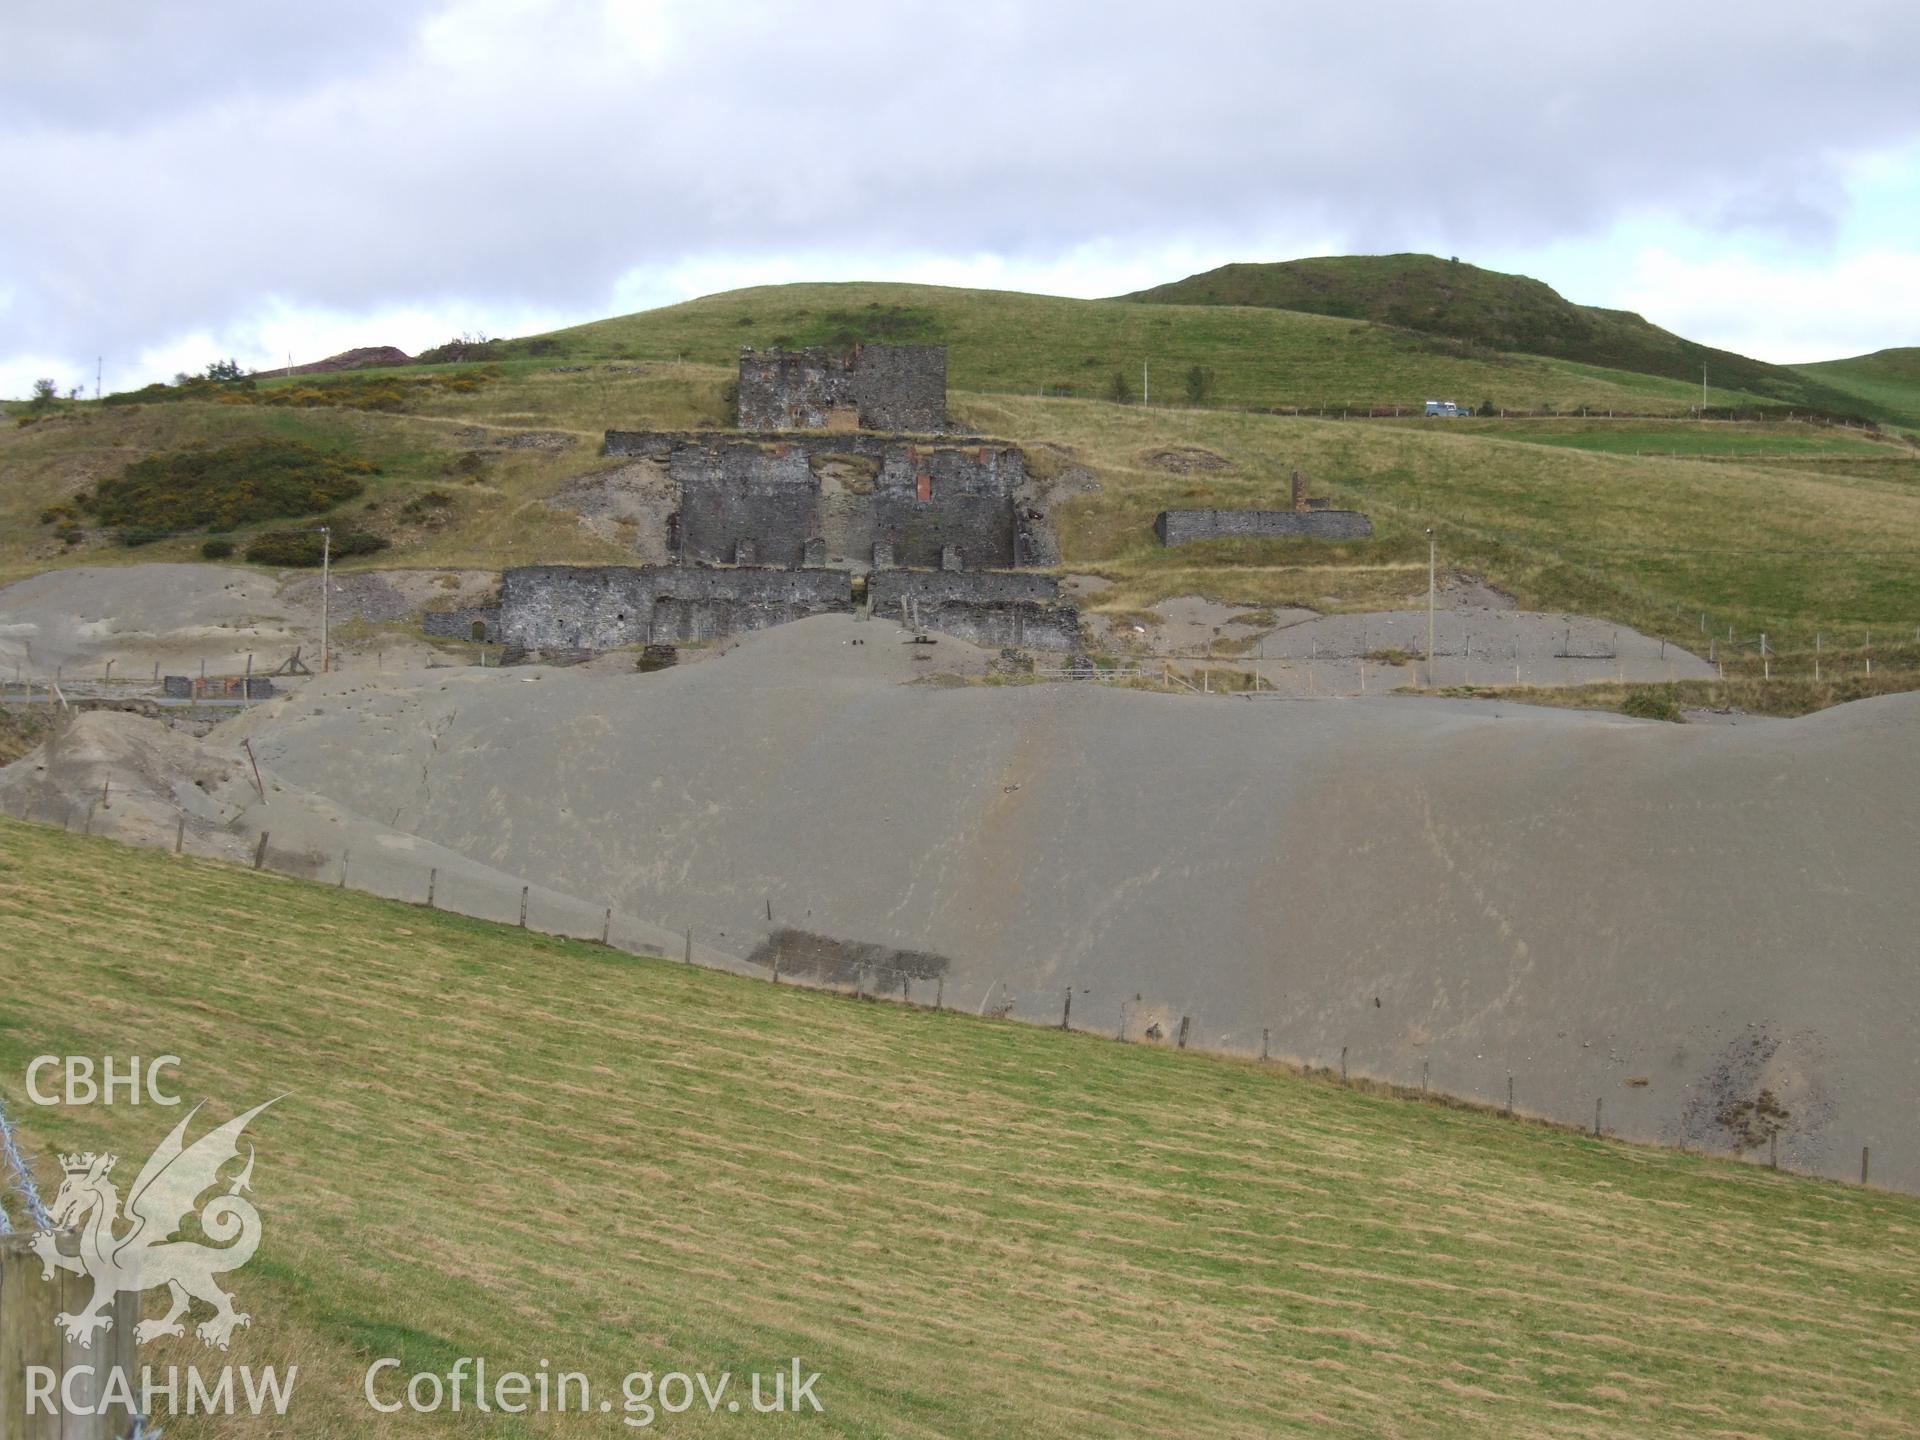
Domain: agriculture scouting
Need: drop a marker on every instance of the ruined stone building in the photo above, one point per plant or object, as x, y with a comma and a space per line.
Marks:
855, 501
738, 531
896, 388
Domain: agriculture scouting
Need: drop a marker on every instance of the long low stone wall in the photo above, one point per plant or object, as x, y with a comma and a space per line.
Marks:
605, 607
470, 622
992, 608
1179, 527
585, 608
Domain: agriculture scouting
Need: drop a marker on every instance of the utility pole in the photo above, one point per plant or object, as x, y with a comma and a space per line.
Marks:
99, 365
1703, 391
1146, 387
1431, 553
326, 592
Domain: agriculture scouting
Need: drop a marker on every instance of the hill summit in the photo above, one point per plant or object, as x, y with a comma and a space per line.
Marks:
1492, 311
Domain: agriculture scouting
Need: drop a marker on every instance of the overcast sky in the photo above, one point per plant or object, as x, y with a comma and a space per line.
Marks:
247, 178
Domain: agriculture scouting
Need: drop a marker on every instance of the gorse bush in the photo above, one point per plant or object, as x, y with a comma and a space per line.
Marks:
216, 550
305, 547
351, 392
218, 489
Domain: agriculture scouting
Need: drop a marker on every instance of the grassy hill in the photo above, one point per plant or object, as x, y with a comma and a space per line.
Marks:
1485, 311
500, 1144
999, 341
1886, 379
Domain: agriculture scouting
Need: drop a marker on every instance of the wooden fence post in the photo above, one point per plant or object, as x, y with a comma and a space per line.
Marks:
260, 851
433, 880
1265, 1034
28, 1336
523, 905
1184, 1021
1066, 1009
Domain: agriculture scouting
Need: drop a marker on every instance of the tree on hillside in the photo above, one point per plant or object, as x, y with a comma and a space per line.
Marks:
224, 370
45, 392
1200, 384
1121, 390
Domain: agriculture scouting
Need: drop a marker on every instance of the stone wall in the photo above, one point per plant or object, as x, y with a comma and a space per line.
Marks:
901, 388
858, 494
1179, 527
604, 607
991, 608
459, 624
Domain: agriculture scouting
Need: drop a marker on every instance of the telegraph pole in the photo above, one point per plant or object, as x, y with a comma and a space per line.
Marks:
326, 592
1431, 552
1146, 387
1703, 392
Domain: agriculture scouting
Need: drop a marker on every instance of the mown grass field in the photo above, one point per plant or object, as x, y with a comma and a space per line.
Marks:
498, 1144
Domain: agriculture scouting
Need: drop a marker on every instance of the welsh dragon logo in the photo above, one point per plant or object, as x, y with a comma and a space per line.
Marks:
141, 1250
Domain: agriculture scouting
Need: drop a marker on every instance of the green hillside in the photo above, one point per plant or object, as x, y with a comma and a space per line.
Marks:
1886, 379
1487, 311
503, 1145
1000, 341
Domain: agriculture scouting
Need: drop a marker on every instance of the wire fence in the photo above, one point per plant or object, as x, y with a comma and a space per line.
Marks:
447, 882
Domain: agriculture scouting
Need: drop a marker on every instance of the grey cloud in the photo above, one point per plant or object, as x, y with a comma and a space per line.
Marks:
514, 157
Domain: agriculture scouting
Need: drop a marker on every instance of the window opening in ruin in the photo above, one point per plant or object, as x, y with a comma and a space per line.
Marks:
925, 486
479, 629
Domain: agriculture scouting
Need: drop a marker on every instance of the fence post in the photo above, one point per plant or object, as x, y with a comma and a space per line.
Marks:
260, 851
433, 878
1509, 1096
1264, 1035
939, 992
1863, 1164
1596, 1117
345, 855
1424, 1065
523, 905
180, 835
688, 957
27, 1307
1184, 1021
1343, 1064
1066, 1008
606, 926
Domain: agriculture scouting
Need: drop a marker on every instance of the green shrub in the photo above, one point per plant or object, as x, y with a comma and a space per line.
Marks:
304, 547
216, 549
1652, 705
1121, 390
430, 500
217, 489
